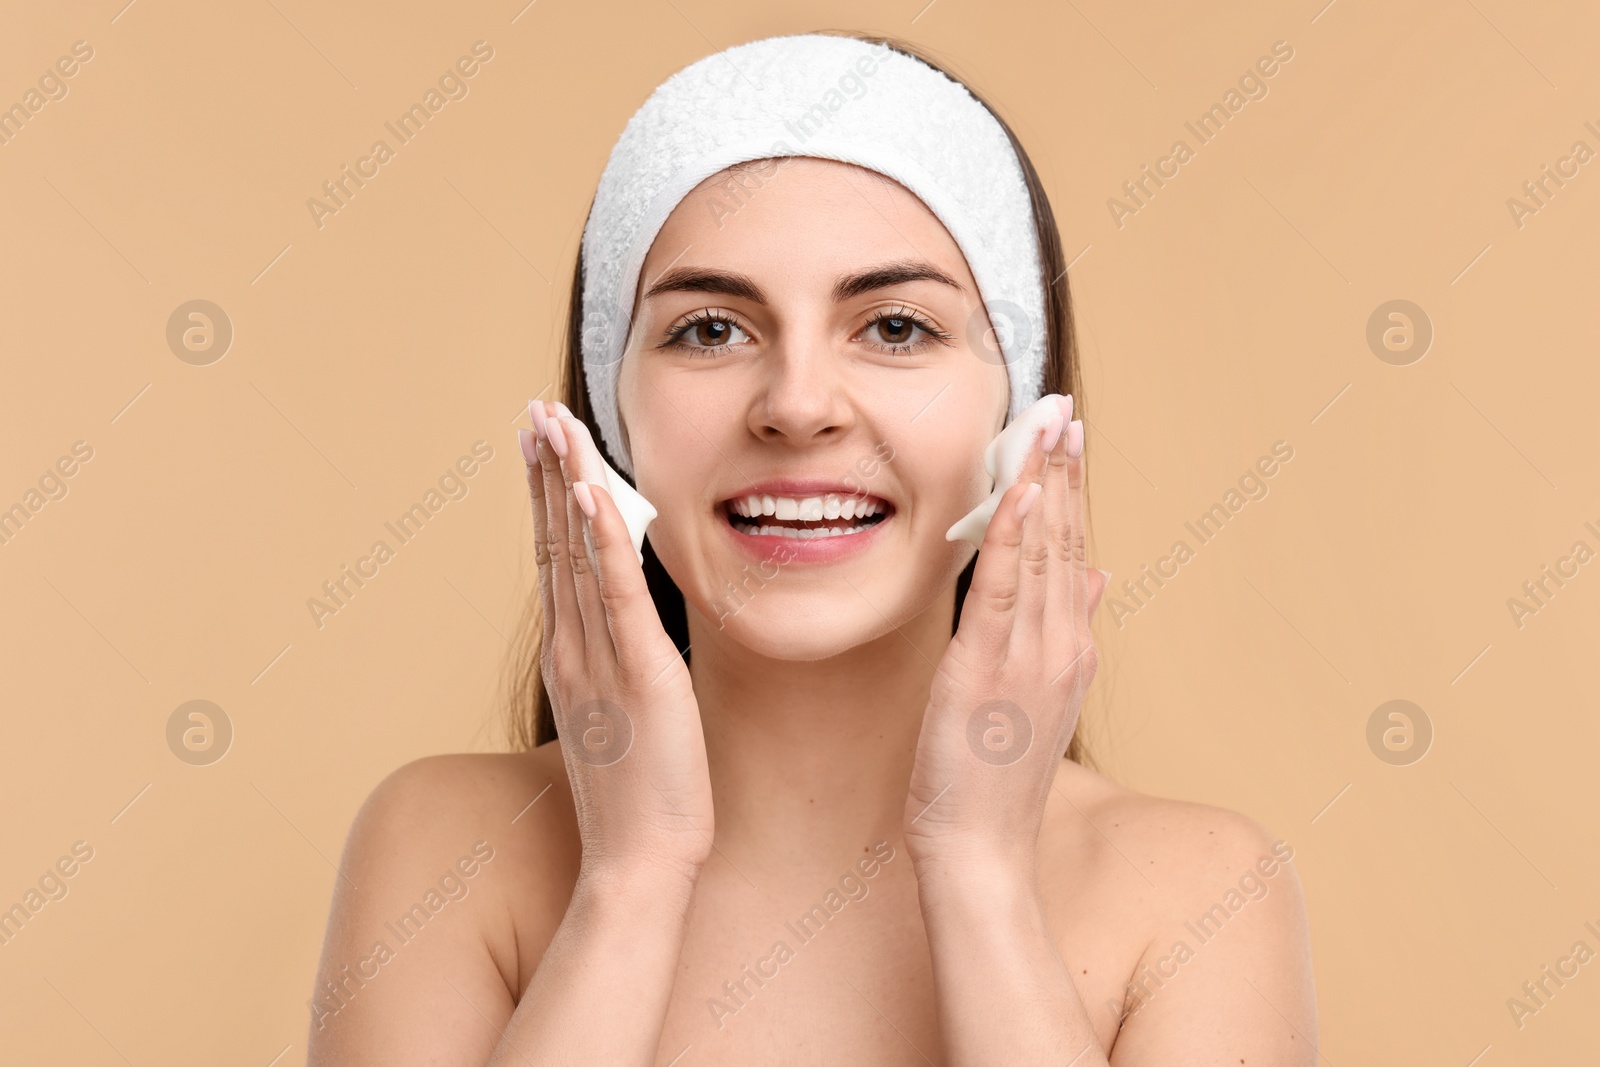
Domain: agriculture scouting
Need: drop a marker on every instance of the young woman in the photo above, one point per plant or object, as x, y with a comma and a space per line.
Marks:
795, 791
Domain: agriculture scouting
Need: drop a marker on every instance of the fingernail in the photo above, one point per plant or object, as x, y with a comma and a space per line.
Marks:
556, 436
563, 409
1107, 574
1075, 438
585, 498
1052, 434
1028, 497
525, 439
1066, 406
536, 413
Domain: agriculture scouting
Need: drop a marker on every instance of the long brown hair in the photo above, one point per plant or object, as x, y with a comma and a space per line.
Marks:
529, 718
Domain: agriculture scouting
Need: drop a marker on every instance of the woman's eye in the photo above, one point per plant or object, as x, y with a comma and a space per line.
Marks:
896, 330
712, 332
889, 332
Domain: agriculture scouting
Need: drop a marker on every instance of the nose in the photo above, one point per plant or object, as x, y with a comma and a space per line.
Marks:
803, 398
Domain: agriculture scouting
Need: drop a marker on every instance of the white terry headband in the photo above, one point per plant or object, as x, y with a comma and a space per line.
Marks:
830, 97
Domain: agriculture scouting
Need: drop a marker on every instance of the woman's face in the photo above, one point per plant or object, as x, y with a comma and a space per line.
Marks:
780, 355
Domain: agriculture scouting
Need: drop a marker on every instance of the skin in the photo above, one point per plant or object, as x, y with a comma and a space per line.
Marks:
982, 912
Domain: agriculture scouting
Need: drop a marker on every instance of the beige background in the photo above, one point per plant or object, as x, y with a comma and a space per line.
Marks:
1227, 314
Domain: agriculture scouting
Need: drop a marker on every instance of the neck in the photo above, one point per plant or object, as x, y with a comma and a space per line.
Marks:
812, 759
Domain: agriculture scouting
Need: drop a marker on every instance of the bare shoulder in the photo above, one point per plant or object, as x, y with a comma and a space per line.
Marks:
1214, 914
451, 866
1179, 843
517, 805
437, 794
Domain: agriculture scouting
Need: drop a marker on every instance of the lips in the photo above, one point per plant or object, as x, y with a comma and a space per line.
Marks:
803, 509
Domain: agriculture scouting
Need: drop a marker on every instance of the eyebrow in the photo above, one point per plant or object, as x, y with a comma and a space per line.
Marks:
729, 283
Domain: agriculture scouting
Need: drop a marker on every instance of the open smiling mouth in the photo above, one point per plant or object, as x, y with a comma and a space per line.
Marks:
807, 518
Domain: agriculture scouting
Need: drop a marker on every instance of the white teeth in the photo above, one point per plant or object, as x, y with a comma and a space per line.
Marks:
806, 534
804, 509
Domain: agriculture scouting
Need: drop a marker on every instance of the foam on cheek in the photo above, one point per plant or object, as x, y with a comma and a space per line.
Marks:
1005, 458
637, 512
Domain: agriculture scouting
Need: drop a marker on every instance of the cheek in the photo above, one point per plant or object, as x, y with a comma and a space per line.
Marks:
673, 413
674, 443
946, 473
941, 476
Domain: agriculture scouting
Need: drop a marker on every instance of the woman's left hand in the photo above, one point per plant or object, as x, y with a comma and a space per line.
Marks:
1006, 696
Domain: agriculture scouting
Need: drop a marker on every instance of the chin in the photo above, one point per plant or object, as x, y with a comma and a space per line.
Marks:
797, 627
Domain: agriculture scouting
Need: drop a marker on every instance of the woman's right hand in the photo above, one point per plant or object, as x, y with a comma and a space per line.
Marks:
624, 706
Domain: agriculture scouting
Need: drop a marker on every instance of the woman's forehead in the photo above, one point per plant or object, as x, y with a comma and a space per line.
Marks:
800, 215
